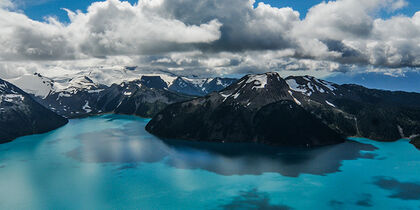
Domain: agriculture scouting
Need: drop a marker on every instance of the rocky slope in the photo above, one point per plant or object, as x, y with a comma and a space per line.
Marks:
258, 108
358, 111
20, 115
257, 104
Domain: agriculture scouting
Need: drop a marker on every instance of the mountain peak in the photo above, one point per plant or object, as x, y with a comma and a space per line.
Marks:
256, 90
309, 85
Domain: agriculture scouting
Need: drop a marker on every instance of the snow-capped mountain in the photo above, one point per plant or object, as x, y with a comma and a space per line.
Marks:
243, 110
21, 115
84, 97
188, 86
35, 84
78, 95
42, 86
74, 97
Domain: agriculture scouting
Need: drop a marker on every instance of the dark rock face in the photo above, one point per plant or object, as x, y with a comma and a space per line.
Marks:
257, 108
416, 142
21, 115
154, 82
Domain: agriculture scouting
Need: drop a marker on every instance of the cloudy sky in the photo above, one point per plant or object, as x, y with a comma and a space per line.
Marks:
340, 39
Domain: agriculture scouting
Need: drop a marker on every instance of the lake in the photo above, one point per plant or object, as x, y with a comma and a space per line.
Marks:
111, 162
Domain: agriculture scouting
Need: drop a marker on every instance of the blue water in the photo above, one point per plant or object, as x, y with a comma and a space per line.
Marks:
111, 162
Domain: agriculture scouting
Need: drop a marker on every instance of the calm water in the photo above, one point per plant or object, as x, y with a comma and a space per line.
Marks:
111, 162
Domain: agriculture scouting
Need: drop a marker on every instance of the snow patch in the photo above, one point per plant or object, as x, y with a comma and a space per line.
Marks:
12, 98
33, 84
236, 95
295, 86
296, 101
87, 108
259, 81
329, 103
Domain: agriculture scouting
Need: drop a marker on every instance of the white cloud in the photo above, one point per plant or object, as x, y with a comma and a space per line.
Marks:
215, 37
6, 4
108, 28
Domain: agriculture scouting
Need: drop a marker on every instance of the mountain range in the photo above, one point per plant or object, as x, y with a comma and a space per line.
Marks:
265, 108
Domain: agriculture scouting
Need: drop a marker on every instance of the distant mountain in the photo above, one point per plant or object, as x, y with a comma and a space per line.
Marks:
82, 95
258, 108
194, 87
76, 99
268, 109
89, 98
20, 115
133, 98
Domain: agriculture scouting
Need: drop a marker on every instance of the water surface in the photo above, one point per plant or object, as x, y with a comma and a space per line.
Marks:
111, 162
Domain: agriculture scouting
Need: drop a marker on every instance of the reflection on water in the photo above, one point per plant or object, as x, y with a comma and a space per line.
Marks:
400, 190
111, 162
253, 200
129, 145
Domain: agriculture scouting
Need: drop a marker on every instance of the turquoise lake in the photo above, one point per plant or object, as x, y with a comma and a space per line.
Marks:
111, 162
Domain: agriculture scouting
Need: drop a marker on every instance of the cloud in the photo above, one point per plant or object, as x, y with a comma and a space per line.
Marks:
219, 36
6, 4
108, 28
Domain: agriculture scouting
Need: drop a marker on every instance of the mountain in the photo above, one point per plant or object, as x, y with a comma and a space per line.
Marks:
358, 111
35, 84
84, 97
268, 109
21, 115
258, 108
188, 86
76, 99
91, 93
134, 98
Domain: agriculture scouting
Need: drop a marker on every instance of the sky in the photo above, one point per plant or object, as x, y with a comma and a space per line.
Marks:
38, 9
369, 42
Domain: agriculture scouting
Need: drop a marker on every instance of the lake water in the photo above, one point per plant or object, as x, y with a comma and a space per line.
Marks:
111, 162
